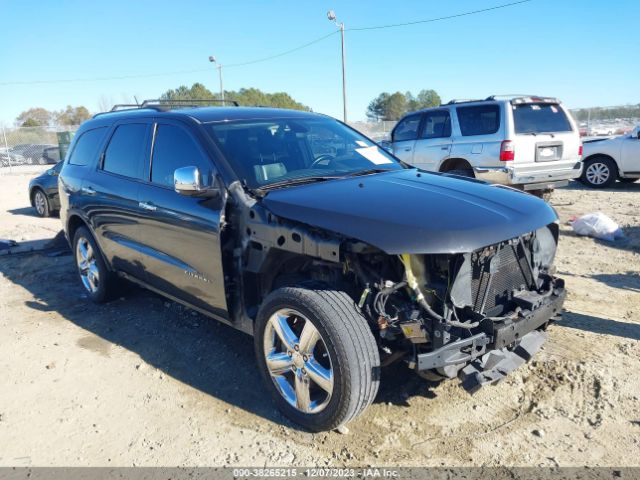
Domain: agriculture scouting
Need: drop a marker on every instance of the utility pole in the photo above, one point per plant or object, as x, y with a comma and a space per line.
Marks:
212, 59
332, 17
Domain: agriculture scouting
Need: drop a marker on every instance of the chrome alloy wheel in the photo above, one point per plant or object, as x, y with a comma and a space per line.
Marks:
40, 202
298, 361
598, 173
87, 266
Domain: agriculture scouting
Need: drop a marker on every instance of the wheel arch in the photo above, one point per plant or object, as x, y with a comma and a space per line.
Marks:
457, 163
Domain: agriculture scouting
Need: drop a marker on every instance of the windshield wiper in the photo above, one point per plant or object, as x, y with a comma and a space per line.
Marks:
297, 181
369, 171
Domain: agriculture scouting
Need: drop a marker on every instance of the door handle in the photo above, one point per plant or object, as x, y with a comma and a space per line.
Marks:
88, 190
147, 206
407, 149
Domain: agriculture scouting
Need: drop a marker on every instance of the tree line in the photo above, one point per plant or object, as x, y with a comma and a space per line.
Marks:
392, 106
606, 113
41, 117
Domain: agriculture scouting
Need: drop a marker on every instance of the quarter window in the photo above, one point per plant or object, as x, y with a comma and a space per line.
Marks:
126, 150
407, 129
173, 149
87, 147
478, 120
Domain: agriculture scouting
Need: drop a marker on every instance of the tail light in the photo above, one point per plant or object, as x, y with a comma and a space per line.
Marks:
507, 151
580, 151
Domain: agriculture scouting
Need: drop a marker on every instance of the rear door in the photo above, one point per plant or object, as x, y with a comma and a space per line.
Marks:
478, 134
111, 194
404, 136
181, 234
630, 153
434, 141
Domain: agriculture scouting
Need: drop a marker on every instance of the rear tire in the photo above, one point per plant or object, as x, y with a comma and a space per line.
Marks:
346, 349
97, 280
41, 203
599, 172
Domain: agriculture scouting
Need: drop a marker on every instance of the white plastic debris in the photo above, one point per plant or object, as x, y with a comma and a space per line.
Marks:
597, 225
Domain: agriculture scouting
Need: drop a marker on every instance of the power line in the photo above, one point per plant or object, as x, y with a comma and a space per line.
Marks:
259, 60
448, 17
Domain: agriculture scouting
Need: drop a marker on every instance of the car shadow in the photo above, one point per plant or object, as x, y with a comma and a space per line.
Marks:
626, 281
192, 348
603, 326
26, 211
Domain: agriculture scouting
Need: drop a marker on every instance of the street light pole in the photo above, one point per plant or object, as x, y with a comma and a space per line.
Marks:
212, 59
332, 17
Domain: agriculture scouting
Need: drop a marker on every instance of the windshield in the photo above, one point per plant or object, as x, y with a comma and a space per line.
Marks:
540, 118
264, 152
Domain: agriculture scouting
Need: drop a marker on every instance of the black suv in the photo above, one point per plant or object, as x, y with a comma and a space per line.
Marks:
294, 228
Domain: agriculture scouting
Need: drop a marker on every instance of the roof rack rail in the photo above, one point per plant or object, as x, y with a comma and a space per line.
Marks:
165, 105
462, 100
507, 96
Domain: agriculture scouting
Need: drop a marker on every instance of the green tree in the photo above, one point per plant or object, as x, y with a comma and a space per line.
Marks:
244, 96
35, 117
72, 115
393, 106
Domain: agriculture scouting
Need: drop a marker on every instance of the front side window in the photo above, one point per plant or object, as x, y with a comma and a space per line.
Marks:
407, 129
86, 147
126, 150
437, 125
263, 152
540, 118
478, 120
174, 148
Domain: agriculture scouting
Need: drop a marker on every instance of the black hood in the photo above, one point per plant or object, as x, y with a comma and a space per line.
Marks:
407, 211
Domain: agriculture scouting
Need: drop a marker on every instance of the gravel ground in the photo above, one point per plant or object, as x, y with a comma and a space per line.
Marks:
144, 381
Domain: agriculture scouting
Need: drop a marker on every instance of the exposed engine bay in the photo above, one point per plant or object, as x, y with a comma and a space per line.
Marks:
477, 315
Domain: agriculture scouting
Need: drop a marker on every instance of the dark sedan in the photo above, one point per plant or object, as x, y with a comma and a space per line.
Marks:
43, 191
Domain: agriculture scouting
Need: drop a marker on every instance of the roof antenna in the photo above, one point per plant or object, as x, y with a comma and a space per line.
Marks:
136, 99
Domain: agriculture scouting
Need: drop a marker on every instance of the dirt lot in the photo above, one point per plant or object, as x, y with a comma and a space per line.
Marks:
143, 381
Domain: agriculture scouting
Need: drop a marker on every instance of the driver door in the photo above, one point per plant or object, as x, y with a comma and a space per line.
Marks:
181, 234
404, 136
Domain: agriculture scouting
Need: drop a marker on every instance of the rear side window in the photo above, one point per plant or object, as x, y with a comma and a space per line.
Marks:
478, 120
126, 150
174, 148
407, 129
436, 125
540, 118
87, 147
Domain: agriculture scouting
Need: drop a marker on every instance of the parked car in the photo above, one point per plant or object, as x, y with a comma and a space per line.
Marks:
43, 192
33, 153
8, 158
600, 130
527, 142
50, 155
338, 260
611, 159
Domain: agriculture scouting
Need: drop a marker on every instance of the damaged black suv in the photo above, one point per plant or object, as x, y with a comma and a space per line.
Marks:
300, 231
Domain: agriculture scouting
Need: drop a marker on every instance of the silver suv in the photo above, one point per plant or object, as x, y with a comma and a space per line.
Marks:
527, 142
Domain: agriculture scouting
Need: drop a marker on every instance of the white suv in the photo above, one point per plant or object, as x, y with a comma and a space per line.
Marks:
527, 142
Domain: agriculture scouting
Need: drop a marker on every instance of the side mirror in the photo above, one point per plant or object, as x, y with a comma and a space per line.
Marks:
386, 144
53, 172
188, 181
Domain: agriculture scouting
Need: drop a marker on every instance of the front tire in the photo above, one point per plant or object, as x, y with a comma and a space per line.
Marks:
317, 356
97, 280
599, 172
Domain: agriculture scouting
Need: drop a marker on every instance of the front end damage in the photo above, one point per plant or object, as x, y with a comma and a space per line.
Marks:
477, 315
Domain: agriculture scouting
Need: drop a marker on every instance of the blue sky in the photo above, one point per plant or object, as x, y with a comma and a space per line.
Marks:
585, 53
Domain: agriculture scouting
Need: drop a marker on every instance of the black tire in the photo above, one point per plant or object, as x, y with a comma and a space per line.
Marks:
106, 286
595, 170
41, 203
467, 172
350, 345
628, 180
